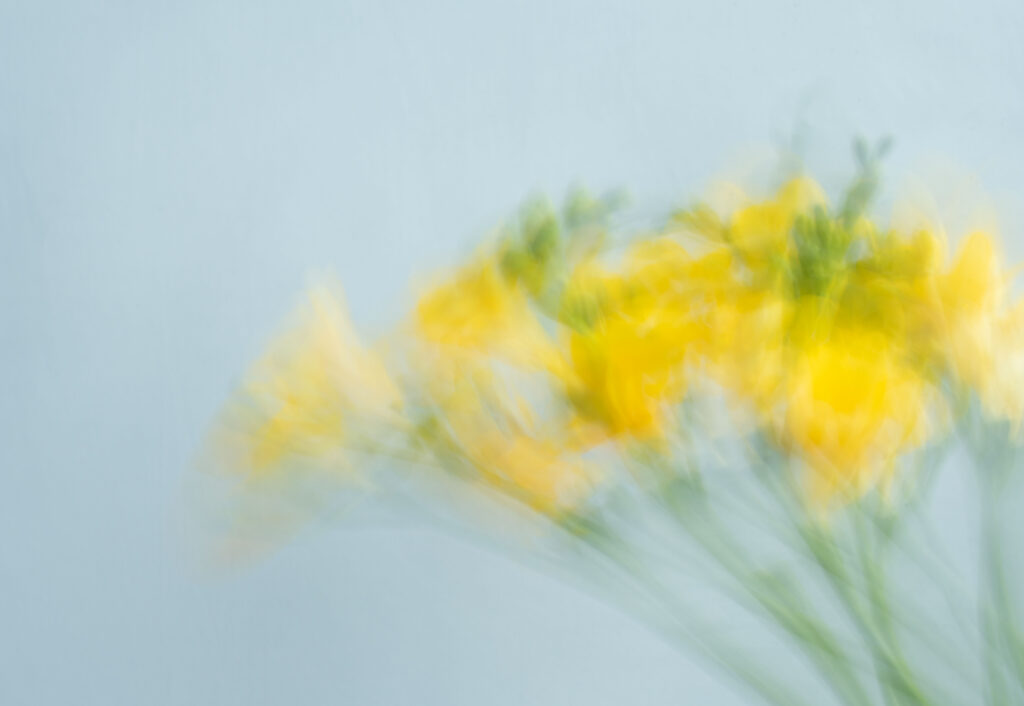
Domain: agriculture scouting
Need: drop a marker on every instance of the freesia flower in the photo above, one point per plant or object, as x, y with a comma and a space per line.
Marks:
480, 310
851, 408
314, 388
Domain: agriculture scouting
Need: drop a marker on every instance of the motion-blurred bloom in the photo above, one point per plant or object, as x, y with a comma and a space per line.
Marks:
584, 378
316, 388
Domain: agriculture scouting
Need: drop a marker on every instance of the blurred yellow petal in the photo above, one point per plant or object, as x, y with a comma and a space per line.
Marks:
628, 369
852, 407
316, 380
973, 283
533, 470
800, 195
762, 231
1002, 388
479, 310
969, 296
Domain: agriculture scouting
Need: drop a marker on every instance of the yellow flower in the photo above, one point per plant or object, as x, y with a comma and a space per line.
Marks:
625, 372
533, 470
590, 293
747, 353
495, 430
627, 359
315, 382
661, 267
762, 231
983, 335
969, 296
479, 310
894, 290
852, 406
1002, 391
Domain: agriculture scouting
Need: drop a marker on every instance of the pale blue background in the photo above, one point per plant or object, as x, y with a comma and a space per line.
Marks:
170, 172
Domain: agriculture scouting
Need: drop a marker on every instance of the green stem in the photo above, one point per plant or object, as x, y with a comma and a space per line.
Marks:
893, 672
1002, 648
689, 634
995, 608
779, 601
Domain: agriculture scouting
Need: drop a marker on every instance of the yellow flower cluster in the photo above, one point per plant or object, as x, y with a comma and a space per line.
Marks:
840, 336
846, 344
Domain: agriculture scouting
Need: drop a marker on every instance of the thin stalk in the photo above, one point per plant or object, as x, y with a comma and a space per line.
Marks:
689, 634
811, 635
828, 557
892, 671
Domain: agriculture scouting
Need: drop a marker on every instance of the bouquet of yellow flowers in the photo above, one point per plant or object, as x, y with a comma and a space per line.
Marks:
755, 396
